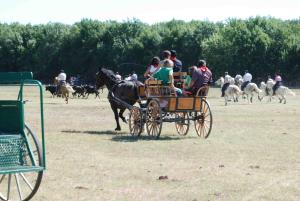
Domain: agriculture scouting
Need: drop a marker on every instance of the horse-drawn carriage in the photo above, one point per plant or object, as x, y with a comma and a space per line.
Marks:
22, 156
159, 104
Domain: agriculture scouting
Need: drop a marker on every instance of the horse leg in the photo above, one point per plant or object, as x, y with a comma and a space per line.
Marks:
121, 115
115, 110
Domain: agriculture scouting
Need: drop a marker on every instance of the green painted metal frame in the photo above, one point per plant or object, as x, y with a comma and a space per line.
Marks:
23, 79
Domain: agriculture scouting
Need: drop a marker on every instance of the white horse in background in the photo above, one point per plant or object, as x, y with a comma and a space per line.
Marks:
265, 91
232, 91
250, 90
280, 92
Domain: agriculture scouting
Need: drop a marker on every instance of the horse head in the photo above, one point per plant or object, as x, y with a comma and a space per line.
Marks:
105, 77
220, 81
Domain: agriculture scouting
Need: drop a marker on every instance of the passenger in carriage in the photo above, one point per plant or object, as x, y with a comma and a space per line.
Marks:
152, 68
278, 83
247, 79
165, 74
201, 77
177, 63
166, 54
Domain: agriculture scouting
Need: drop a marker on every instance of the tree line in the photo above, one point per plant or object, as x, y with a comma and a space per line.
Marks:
261, 45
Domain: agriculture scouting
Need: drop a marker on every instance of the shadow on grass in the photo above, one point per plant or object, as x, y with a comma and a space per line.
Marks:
107, 132
129, 138
125, 137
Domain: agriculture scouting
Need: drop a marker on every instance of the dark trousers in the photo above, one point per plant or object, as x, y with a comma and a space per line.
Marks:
244, 85
224, 87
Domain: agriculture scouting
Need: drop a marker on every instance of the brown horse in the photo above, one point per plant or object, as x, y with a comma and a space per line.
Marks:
64, 90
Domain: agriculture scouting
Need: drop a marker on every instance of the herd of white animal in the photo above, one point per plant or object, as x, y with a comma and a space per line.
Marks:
233, 92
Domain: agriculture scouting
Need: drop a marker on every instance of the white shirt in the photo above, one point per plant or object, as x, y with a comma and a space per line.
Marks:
247, 77
134, 77
62, 77
118, 77
227, 79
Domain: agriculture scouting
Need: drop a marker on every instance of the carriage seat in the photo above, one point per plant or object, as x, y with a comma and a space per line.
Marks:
155, 88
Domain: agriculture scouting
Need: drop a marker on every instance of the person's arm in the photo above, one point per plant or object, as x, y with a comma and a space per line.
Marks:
146, 74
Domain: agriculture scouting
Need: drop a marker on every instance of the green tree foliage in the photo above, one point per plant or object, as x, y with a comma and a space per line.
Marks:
262, 45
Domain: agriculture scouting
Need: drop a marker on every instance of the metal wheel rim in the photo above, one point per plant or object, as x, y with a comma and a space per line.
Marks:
154, 119
135, 122
12, 186
182, 127
203, 120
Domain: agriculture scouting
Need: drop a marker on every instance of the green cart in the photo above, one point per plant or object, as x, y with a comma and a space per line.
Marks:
22, 155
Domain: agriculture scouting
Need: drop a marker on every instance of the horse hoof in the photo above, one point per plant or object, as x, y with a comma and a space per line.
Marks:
117, 129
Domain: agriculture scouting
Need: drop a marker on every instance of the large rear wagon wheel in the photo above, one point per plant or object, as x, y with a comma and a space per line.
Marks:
23, 185
183, 123
135, 121
154, 119
203, 120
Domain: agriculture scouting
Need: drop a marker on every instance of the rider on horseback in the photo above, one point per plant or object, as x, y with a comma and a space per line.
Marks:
61, 78
226, 83
278, 83
247, 79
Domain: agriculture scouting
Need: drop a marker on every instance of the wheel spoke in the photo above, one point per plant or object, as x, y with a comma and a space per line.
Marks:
3, 176
8, 187
26, 181
19, 187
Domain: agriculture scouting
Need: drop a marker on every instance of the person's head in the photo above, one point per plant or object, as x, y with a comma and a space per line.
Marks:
173, 53
201, 63
166, 54
191, 70
117, 73
62, 71
155, 61
168, 63
226, 73
133, 72
246, 71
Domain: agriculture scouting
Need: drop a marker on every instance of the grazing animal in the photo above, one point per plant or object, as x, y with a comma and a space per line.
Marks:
91, 90
124, 90
51, 89
280, 92
232, 91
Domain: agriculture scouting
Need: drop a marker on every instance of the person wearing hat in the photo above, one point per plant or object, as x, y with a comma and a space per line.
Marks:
246, 79
226, 83
177, 63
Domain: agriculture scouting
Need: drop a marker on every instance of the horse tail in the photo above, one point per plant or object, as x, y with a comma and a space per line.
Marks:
290, 91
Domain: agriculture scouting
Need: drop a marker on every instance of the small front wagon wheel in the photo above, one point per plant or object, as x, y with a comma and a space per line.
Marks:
135, 121
23, 185
154, 119
203, 120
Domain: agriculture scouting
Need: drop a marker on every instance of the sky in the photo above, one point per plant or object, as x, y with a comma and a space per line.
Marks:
147, 11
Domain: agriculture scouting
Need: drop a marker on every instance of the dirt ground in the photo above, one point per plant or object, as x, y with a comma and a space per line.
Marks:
253, 153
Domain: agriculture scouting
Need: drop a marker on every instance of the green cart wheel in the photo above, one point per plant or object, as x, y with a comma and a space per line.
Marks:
22, 185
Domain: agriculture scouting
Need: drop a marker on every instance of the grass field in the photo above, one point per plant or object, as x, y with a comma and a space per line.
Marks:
253, 153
